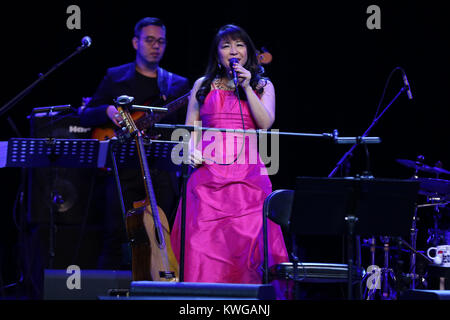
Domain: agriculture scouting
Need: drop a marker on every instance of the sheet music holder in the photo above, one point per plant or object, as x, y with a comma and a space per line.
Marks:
44, 153
382, 206
353, 206
81, 153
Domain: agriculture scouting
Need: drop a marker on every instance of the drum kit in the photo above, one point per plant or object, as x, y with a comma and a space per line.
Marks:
435, 189
436, 197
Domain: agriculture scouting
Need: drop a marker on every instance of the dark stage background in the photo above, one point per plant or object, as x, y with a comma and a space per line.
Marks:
328, 68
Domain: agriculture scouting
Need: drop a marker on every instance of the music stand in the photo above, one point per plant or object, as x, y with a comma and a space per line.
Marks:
45, 153
352, 206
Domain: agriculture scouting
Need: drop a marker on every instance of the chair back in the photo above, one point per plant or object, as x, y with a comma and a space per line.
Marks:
278, 207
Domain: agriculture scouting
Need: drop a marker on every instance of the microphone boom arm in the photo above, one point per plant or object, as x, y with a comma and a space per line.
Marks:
349, 152
5, 108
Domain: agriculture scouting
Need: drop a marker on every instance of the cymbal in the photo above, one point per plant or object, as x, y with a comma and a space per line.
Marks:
422, 167
430, 186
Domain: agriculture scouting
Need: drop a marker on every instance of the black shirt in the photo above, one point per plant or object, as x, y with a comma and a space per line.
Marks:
145, 90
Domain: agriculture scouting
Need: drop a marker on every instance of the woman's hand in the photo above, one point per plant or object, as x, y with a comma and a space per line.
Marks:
244, 76
195, 158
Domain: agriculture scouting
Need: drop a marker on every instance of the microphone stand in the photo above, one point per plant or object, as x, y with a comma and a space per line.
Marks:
331, 136
42, 77
344, 159
349, 152
55, 196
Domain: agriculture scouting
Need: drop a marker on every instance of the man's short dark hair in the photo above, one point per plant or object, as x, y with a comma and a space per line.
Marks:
148, 21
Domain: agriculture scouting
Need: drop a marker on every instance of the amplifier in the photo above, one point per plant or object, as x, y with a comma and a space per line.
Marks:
72, 185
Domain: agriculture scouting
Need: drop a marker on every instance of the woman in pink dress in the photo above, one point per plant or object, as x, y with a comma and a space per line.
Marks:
226, 192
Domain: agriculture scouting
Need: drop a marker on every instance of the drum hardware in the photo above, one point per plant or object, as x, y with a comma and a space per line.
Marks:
437, 192
372, 274
370, 294
440, 204
388, 292
418, 165
435, 234
434, 238
414, 279
413, 232
412, 260
386, 275
432, 187
412, 246
382, 279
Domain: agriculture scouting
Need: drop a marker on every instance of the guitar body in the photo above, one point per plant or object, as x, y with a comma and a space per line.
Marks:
107, 132
146, 258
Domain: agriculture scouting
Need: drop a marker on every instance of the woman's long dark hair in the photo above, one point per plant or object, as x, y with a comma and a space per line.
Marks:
213, 70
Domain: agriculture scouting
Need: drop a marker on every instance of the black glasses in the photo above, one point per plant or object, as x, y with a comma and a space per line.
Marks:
151, 41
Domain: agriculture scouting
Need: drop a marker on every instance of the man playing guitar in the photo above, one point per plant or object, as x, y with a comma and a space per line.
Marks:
149, 84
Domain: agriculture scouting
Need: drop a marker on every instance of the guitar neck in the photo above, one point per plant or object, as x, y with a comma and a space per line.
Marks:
146, 172
147, 121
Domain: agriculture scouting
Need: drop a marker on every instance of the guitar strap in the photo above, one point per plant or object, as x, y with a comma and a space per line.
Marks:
164, 82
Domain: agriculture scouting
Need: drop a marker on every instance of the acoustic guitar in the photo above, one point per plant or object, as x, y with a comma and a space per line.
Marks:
147, 227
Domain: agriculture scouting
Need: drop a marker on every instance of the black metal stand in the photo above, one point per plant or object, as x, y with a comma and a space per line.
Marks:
55, 199
351, 221
185, 177
126, 250
115, 169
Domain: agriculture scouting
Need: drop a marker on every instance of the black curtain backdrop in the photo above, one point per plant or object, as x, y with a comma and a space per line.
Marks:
328, 68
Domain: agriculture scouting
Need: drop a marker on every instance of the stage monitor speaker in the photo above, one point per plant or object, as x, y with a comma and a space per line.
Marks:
160, 290
73, 185
92, 283
425, 295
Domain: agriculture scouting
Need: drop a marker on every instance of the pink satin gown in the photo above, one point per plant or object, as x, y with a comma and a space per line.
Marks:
224, 240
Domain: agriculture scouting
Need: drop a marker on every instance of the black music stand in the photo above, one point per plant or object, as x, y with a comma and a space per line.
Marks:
44, 153
352, 206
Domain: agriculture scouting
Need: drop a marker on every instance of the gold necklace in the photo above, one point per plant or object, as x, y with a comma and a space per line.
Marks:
219, 84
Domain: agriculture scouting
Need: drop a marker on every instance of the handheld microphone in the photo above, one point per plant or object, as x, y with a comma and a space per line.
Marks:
408, 88
86, 42
235, 78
